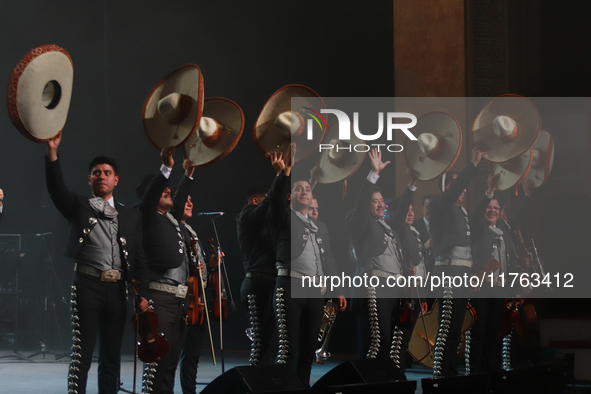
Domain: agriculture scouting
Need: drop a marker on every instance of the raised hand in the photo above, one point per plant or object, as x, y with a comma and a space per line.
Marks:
376, 161
528, 187
277, 161
189, 167
412, 176
166, 154
52, 145
477, 153
290, 159
492, 183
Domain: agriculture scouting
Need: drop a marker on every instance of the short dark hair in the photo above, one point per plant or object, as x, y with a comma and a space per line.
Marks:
294, 180
103, 160
257, 189
446, 179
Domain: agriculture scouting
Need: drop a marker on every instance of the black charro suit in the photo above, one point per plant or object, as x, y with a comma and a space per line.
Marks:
298, 319
449, 229
421, 227
258, 257
485, 349
414, 255
166, 250
97, 306
371, 240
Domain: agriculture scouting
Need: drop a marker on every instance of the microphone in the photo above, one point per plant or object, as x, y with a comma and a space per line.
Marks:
43, 234
210, 214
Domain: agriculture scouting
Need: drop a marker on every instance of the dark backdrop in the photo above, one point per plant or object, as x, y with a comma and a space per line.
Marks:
120, 50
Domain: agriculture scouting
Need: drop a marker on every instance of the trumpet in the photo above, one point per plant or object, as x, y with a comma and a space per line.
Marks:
329, 316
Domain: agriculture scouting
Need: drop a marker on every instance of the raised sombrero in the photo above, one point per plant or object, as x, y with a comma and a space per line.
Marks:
218, 133
508, 125
279, 123
542, 159
173, 108
39, 92
438, 145
513, 171
338, 159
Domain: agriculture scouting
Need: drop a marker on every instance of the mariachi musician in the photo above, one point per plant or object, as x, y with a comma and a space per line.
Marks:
168, 265
105, 238
413, 264
198, 324
298, 318
258, 258
378, 252
491, 238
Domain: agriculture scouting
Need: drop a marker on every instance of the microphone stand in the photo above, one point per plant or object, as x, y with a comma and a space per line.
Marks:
232, 304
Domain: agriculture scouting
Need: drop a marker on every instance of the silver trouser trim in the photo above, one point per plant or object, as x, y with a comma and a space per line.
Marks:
253, 317
467, 340
148, 378
179, 291
281, 326
75, 357
443, 332
507, 352
396, 347
374, 326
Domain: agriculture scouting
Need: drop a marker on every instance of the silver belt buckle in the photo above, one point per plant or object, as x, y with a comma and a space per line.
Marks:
110, 276
181, 291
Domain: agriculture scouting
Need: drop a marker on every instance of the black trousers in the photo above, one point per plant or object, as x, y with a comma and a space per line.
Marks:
97, 308
377, 339
485, 349
190, 353
301, 318
171, 312
449, 363
257, 295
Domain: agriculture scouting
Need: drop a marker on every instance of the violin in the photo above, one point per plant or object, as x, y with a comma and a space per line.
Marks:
196, 310
422, 342
220, 304
151, 345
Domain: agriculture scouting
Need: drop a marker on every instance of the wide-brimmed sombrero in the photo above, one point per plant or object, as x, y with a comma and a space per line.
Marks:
508, 126
542, 159
438, 145
279, 123
512, 171
338, 159
39, 92
218, 133
173, 108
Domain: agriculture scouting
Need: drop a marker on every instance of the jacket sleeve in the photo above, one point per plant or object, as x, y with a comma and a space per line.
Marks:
140, 271
62, 198
399, 218
149, 204
259, 212
180, 197
451, 195
477, 224
278, 202
358, 218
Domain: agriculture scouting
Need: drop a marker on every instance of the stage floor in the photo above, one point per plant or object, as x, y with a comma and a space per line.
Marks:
47, 376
